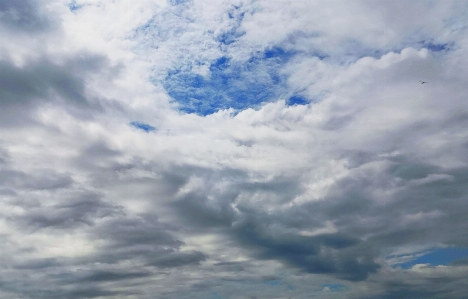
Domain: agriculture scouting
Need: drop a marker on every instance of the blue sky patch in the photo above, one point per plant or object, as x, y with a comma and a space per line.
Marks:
334, 287
278, 53
73, 6
231, 84
297, 100
438, 256
142, 126
230, 36
435, 47
235, 16
272, 282
177, 2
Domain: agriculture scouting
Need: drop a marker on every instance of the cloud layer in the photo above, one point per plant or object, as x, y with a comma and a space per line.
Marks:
240, 149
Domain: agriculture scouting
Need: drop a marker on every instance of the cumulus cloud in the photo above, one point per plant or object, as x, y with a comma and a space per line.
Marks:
243, 149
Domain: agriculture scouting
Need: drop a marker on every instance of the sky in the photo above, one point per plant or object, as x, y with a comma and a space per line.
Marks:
233, 149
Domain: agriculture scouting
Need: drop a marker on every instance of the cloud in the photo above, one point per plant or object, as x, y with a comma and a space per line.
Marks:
24, 16
293, 150
38, 83
67, 215
328, 254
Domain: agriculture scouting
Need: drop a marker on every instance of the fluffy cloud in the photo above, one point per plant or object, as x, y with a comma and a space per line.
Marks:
243, 149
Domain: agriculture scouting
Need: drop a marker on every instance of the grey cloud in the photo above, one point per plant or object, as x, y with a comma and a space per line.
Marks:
267, 236
35, 81
23, 89
24, 16
402, 290
86, 292
421, 212
97, 155
209, 207
447, 285
62, 291
44, 183
382, 203
4, 155
123, 232
45, 179
279, 189
104, 276
38, 264
83, 210
146, 240
337, 122
334, 254
177, 259
197, 209
460, 262
8, 192
231, 266
409, 170
42, 180
270, 278
141, 241
367, 225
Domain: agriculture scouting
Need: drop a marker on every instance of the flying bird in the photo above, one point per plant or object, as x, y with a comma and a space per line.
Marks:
422, 82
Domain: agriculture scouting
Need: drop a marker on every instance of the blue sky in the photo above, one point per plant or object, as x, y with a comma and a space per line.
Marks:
233, 84
438, 257
142, 126
233, 149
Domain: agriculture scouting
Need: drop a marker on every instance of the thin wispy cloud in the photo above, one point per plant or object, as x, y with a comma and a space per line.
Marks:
235, 149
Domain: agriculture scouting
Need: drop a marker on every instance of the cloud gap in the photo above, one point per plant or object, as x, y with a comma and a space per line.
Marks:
142, 126
232, 84
437, 257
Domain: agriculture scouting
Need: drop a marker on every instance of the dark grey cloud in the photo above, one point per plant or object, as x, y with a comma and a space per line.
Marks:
177, 259
14, 182
137, 232
47, 81
80, 292
367, 225
73, 284
231, 266
8, 192
339, 255
36, 80
266, 236
84, 210
197, 209
42, 180
24, 16
99, 155
38, 264
443, 284
209, 207
356, 210
460, 262
144, 240
103, 276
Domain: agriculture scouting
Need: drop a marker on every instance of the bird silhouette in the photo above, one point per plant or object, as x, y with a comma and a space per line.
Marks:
422, 82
